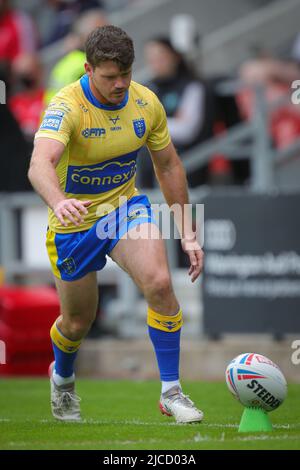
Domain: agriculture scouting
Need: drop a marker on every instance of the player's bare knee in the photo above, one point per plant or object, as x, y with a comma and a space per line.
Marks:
159, 287
77, 330
78, 327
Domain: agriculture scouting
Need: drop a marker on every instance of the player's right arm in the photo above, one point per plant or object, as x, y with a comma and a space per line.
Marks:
42, 175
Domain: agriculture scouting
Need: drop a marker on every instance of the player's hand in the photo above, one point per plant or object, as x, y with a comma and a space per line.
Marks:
71, 210
192, 248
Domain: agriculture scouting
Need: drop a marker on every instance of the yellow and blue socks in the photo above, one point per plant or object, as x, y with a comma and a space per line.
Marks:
65, 352
164, 332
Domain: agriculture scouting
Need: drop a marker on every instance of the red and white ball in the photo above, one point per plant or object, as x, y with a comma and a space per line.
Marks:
256, 381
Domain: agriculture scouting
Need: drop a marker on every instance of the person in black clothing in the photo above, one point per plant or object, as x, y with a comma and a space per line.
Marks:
15, 152
182, 92
196, 110
185, 97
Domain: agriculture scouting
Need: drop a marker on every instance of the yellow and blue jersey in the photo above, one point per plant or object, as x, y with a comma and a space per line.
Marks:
101, 145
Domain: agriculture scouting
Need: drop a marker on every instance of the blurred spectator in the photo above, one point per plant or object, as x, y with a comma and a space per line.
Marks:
27, 104
184, 96
15, 153
275, 76
223, 171
17, 32
66, 12
71, 67
267, 70
181, 92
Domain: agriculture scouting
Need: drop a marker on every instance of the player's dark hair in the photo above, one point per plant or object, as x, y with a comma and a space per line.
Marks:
109, 43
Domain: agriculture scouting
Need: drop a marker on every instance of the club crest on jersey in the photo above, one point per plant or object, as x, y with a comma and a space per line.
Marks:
139, 126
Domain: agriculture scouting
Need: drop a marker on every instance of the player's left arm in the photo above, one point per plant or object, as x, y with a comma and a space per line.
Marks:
172, 180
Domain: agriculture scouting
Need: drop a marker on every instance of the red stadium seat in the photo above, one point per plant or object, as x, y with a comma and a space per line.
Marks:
26, 316
285, 126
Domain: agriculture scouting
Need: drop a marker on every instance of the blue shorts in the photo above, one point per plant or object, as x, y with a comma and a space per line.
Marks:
73, 255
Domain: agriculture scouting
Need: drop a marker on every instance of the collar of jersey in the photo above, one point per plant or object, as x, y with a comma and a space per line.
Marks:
85, 84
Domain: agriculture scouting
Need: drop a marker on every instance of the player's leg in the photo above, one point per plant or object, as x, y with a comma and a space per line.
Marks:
145, 260
78, 301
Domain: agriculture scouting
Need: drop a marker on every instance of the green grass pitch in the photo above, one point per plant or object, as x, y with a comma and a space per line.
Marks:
124, 415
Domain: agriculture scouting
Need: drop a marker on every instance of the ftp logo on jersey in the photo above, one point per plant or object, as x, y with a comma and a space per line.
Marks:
93, 132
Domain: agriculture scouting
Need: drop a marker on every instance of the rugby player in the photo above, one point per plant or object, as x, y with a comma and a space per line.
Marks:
83, 166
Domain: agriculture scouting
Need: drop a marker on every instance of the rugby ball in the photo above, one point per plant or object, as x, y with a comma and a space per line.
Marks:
256, 381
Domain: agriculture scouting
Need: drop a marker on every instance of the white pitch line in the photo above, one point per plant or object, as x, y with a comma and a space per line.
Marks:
135, 422
267, 437
198, 439
219, 425
155, 423
112, 422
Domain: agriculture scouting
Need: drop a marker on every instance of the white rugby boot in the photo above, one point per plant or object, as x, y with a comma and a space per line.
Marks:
175, 403
65, 404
